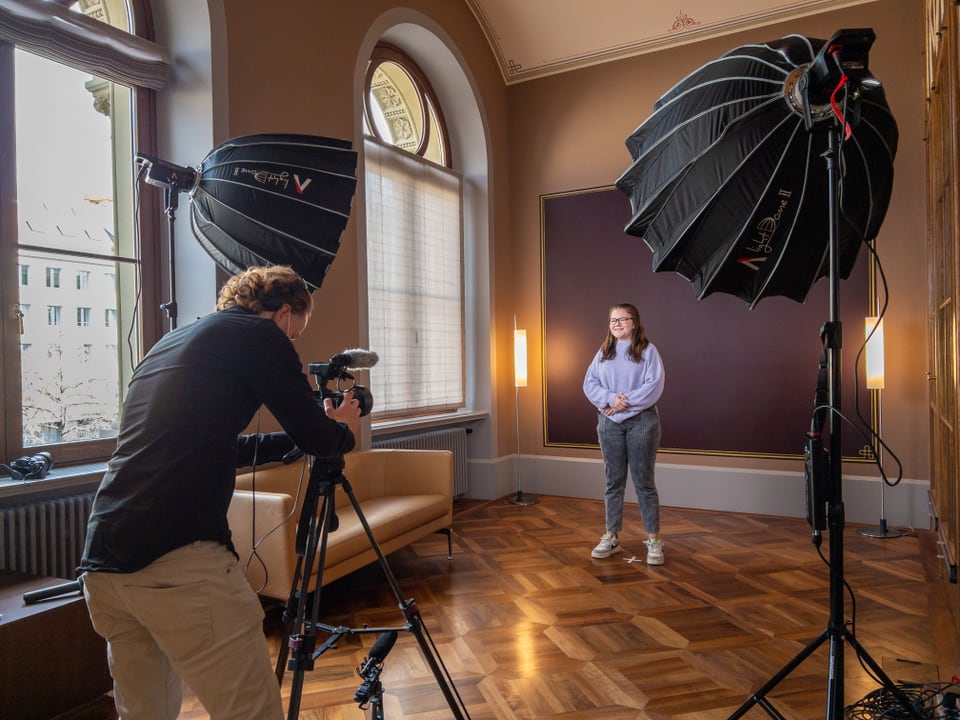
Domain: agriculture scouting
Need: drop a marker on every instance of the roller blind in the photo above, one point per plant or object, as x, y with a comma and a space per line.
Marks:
414, 282
53, 31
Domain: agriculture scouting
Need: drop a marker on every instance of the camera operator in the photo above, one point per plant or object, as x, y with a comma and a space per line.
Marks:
161, 577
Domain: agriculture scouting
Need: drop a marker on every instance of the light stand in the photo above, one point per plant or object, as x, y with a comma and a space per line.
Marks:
875, 382
881, 530
837, 630
173, 179
519, 381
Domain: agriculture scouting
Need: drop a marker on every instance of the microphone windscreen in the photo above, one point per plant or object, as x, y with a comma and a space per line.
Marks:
383, 645
355, 359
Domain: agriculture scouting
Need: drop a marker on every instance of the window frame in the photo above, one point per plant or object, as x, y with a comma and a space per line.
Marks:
147, 214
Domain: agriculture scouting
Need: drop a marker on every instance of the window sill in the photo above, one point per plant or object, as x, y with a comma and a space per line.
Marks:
74, 478
429, 422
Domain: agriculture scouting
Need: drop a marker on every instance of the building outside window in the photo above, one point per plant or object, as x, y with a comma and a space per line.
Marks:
53, 315
53, 277
83, 316
83, 280
24, 275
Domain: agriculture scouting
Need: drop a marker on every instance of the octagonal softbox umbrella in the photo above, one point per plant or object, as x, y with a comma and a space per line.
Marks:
275, 199
728, 184
266, 199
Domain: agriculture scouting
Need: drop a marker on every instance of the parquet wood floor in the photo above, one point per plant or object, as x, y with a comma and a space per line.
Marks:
530, 626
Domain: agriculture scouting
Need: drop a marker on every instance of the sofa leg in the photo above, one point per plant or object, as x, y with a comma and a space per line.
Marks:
449, 533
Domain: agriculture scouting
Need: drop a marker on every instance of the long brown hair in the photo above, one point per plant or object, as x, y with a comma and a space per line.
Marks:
266, 288
608, 351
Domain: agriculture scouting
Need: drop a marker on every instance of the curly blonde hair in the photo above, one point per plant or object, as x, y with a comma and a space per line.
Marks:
266, 288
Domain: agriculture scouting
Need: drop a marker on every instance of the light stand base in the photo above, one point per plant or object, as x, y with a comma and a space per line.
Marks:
882, 531
521, 499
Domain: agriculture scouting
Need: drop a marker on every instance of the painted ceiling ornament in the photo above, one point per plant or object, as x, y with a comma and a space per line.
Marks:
683, 22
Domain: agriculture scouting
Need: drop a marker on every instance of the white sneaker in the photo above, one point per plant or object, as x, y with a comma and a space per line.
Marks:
654, 552
608, 545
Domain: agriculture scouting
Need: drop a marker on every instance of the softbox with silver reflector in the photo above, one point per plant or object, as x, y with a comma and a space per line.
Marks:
266, 199
727, 185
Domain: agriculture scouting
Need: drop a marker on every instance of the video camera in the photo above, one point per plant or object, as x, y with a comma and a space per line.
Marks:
337, 370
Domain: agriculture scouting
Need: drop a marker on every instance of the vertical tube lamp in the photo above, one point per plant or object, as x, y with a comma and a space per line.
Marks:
875, 371
519, 381
519, 358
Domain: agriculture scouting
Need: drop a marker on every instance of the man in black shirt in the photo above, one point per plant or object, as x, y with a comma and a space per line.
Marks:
160, 574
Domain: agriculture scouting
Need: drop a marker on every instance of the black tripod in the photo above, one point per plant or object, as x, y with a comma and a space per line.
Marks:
825, 483
317, 521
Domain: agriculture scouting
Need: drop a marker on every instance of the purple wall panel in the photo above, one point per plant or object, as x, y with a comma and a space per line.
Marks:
739, 381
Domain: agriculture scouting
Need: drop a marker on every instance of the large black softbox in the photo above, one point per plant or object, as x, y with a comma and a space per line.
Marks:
727, 183
267, 199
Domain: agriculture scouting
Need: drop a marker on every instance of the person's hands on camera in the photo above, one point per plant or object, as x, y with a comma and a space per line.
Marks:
348, 411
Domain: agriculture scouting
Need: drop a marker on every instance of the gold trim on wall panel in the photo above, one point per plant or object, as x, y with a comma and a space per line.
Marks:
740, 382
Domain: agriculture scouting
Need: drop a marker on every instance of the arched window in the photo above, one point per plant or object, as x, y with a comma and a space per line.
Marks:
76, 101
401, 108
414, 239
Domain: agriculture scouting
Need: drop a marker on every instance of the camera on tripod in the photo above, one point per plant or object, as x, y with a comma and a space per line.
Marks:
336, 370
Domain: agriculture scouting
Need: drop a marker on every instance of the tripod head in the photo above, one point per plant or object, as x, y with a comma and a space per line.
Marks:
326, 469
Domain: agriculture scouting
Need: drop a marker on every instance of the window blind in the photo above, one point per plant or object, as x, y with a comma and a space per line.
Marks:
415, 282
53, 31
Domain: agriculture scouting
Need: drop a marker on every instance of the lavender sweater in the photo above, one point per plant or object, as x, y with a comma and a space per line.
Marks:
641, 382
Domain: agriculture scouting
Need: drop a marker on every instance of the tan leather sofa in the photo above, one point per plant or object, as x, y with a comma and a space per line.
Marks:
403, 494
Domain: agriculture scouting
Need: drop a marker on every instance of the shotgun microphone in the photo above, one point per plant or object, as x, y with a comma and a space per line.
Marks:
373, 666
355, 359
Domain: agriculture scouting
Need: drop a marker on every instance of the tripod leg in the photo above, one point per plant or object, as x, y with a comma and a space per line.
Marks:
882, 676
431, 655
306, 528
414, 621
759, 697
303, 641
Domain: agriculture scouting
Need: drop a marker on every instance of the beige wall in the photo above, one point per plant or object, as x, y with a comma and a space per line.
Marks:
571, 129
302, 74
564, 133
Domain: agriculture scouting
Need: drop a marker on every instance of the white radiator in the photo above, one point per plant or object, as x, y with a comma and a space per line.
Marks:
453, 439
45, 537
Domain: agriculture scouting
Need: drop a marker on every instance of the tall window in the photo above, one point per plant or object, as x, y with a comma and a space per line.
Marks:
67, 205
414, 244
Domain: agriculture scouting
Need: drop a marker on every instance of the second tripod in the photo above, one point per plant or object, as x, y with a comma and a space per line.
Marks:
318, 519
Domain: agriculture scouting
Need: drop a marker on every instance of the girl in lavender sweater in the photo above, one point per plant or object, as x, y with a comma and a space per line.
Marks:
624, 382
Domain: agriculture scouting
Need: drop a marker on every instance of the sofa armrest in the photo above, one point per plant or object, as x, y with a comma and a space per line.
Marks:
264, 529
275, 478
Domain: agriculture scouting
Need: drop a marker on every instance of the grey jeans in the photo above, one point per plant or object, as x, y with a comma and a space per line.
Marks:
631, 444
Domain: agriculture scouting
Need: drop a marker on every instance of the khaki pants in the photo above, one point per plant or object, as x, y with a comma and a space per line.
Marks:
191, 615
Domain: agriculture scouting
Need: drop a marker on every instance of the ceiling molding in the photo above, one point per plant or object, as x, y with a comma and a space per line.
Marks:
537, 38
